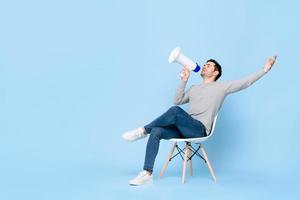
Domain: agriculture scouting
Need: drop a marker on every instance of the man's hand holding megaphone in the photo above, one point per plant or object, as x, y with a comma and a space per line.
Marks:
185, 74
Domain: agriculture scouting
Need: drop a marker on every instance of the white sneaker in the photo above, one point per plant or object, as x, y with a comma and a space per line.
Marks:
141, 179
134, 135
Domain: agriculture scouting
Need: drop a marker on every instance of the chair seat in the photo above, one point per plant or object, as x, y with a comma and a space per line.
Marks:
198, 139
194, 140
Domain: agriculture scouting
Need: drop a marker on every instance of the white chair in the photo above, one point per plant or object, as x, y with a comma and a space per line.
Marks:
188, 153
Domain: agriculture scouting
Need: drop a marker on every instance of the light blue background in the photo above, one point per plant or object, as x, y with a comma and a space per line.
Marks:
75, 74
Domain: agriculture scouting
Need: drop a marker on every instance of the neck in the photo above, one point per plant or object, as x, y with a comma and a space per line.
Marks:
208, 80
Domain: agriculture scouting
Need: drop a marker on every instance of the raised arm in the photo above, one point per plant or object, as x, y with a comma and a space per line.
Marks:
237, 85
182, 97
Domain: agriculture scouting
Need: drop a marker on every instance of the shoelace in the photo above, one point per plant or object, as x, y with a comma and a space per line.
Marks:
141, 174
141, 134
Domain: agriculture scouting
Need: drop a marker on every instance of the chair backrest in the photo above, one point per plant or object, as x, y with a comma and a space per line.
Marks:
213, 125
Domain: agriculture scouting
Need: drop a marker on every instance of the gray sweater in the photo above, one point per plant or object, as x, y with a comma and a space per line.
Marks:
205, 100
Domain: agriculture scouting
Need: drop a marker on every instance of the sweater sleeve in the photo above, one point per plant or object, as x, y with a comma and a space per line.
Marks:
237, 85
181, 97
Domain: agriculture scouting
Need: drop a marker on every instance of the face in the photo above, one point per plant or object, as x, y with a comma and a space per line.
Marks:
208, 70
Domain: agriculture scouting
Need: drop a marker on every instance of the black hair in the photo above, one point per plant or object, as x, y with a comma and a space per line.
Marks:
217, 67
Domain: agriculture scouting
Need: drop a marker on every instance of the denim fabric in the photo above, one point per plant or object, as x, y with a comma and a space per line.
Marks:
175, 123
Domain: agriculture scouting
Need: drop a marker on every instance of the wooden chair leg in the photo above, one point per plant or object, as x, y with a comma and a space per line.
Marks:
168, 160
184, 163
207, 162
191, 163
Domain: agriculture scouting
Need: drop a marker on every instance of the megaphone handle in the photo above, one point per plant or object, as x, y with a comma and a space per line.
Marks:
181, 74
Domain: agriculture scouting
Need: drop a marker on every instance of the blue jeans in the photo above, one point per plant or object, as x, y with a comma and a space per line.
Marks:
175, 123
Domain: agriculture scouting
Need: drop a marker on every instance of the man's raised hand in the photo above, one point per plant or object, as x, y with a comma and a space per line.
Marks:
185, 73
270, 62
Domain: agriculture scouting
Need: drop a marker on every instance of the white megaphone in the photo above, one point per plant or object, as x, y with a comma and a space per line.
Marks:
177, 56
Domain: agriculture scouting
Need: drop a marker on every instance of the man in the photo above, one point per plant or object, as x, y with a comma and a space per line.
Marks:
204, 100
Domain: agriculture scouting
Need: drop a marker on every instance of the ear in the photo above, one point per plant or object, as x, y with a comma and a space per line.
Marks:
215, 73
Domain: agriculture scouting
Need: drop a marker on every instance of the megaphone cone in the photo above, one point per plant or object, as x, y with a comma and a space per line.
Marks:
177, 56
